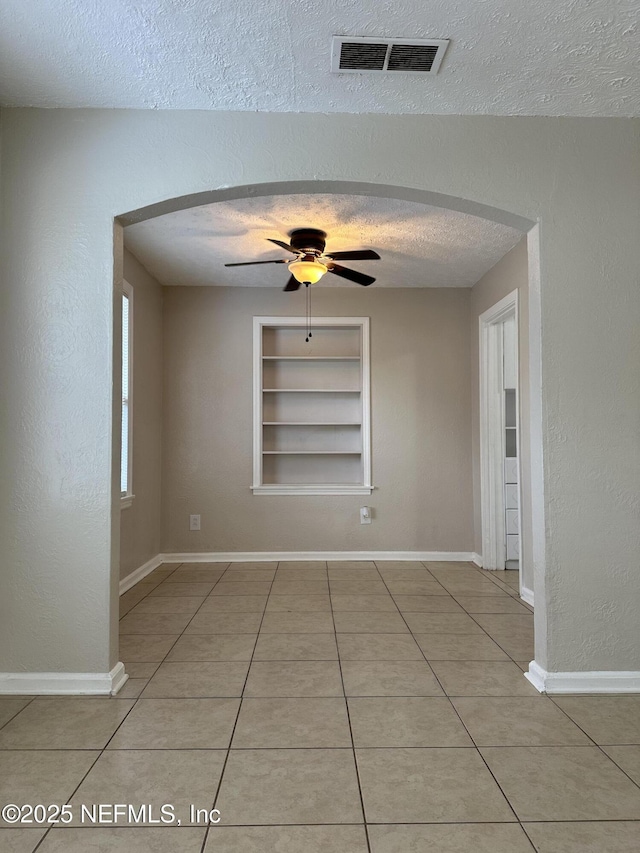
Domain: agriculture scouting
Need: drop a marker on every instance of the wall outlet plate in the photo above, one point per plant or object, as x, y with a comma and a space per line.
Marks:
194, 522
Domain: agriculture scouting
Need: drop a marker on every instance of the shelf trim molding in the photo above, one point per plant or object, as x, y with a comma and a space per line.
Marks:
313, 452
311, 358
312, 489
362, 325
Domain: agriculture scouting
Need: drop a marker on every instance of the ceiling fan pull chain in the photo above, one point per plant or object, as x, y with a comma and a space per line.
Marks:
308, 310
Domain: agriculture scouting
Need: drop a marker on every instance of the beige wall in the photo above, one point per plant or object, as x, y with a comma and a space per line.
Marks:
421, 424
509, 274
140, 523
67, 173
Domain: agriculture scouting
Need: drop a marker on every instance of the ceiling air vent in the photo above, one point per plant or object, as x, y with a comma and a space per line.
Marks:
352, 54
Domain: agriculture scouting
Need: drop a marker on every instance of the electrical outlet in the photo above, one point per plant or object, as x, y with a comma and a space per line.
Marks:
194, 522
365, 515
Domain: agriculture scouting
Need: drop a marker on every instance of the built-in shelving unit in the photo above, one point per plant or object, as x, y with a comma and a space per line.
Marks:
311, 406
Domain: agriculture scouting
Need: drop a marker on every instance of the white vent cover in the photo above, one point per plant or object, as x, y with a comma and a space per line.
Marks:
356, 55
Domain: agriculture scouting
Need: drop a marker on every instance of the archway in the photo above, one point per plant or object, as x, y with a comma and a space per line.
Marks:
493, 214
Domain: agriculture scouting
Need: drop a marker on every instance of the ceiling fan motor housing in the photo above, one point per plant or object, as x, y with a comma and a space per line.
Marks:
311, 241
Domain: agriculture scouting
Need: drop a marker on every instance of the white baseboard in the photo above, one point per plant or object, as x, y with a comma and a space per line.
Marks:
526, 594
477, 559
536, 675
63, 683
118, 678
141, 572
613, 681
282, 556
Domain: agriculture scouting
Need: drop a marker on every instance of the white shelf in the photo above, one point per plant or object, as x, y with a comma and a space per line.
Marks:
311, 489
312, 452
312, 423
311, 358
311, 390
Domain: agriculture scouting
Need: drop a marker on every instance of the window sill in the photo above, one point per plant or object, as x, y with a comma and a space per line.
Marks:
126, 501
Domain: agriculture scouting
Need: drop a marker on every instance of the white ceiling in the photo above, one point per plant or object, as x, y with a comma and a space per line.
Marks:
421, 246
507, 57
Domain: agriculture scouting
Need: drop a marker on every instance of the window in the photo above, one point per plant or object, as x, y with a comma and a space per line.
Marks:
126, 493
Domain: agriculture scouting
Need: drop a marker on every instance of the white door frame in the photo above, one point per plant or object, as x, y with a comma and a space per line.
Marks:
492, 432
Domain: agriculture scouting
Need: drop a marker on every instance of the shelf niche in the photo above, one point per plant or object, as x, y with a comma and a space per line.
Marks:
311, 406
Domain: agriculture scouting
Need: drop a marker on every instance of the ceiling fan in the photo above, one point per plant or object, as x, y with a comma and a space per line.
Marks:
312, 262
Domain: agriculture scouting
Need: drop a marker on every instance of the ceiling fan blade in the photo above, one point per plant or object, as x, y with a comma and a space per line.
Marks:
283, 245
357, 255
253, 263
352, 275
292, 284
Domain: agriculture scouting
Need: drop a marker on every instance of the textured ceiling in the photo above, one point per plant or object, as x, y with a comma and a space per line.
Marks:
507, 57
421, 246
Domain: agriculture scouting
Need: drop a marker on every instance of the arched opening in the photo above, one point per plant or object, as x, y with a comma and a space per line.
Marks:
435, 199
382, 191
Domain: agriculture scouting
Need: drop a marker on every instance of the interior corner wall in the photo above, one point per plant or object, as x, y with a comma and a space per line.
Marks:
509, 274
140, 522
421, 424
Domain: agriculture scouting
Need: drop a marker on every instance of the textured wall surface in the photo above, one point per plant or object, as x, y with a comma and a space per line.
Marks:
509, 274
140, 523
507, 57
421, 425
66, 174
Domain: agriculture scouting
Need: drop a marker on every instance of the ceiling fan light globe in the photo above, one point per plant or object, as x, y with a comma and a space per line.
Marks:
307, 272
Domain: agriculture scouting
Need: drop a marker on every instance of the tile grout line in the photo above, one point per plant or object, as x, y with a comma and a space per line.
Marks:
101, 751
511, 658
224, 763
599, 746
595, 743
29, 701
411, 633
180, 635
472, 616
235, 724
177, 637
348, 710
484, 573
146, 595
475, 746
70, 797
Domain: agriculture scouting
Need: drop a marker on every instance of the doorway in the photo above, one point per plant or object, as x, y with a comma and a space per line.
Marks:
500, 478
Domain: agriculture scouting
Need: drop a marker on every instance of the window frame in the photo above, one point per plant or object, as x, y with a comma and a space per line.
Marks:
126, 497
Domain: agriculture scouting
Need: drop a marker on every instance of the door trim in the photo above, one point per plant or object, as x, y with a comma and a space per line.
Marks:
492, 434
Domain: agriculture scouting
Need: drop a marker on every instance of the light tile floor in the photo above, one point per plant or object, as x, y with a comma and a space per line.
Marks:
328, 708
